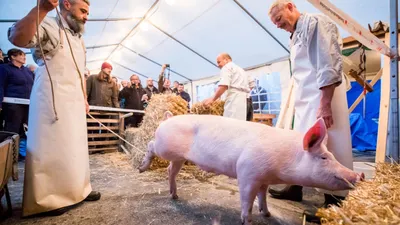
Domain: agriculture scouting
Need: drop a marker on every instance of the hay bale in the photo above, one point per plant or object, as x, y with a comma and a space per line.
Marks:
155, 110
375, 201
216, 108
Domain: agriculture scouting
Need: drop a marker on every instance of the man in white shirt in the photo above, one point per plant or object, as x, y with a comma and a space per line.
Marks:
235, 81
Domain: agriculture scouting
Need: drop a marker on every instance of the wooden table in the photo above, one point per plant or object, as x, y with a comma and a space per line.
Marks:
263, 118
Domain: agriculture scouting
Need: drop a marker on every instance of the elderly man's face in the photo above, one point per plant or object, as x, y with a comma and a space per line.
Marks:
222, 61
124, 83
284, 17
135, 80
77, 16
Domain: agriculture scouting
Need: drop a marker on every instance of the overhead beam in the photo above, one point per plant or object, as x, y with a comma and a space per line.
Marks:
89, 20
154, 62
100, 46
133, 71
262, 26
173, 38
134, 28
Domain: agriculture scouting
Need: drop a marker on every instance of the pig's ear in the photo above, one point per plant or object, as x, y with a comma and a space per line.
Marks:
167, 115
315, 135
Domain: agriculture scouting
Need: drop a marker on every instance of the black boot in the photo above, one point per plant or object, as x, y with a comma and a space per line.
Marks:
293, 193
93, 196
329, 200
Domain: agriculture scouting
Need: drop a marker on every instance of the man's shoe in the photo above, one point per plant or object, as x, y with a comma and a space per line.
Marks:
93, 196
311, 216
293, 193
329, 200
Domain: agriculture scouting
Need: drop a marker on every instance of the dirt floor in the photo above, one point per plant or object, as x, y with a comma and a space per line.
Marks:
132, 198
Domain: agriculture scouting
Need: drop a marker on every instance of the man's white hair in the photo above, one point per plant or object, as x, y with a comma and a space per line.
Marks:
61, 2
279, 4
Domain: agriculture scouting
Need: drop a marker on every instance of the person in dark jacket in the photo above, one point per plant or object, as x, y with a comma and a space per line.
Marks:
134, 96
101, 89
16, 81
150, 89
181, 92
163, 82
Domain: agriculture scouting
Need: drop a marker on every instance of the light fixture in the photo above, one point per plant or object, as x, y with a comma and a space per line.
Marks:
170, 2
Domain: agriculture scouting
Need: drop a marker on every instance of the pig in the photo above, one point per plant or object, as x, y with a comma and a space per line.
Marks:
255, 154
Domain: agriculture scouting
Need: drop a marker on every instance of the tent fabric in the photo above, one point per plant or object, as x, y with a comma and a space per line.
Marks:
207, 27
364, 129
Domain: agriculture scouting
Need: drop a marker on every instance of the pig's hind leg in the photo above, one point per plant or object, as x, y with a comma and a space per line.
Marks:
147, 158
173, 170
262, 201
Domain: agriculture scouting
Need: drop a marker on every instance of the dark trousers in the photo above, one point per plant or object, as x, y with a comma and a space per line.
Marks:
133, 121
15, 116
249, 116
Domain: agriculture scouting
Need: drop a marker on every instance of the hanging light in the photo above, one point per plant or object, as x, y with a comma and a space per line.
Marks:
170, 2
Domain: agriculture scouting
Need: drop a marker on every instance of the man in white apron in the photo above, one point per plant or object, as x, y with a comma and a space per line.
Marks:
235, 81
317, 70
57, 172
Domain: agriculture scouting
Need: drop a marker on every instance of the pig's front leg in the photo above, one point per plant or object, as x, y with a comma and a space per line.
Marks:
262, 201
173, 170
248, 192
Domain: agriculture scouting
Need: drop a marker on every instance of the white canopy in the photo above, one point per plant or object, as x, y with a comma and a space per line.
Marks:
137, 36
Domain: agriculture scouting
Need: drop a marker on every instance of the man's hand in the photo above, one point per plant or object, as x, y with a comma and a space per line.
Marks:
48, 5
208, 101
87, 107
145, 97
325, 112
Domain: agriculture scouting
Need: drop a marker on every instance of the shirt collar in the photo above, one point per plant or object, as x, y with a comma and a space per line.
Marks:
298, 25
11, 64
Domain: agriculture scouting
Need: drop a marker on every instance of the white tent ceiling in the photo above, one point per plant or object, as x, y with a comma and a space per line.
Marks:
187, 34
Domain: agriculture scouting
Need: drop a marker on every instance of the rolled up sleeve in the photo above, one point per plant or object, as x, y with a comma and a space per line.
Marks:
325, 52
34, 41
226, 77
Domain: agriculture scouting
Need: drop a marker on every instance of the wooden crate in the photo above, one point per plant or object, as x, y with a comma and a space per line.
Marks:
264, 118
99, 138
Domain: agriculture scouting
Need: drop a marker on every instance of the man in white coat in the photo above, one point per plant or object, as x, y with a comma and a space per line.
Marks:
57, 172
315, 52
235, 82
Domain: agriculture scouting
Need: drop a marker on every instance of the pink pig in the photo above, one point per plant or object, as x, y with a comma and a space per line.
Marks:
256, 154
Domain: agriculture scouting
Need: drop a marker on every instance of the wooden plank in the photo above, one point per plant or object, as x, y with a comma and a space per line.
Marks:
104, 113
384, 109
360, 81
258, 116
102, 128
113, 142
102, 120
103, 149
121, 130
372, 83
103, 135
282, 116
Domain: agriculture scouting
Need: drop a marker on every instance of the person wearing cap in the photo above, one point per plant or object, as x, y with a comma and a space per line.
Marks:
16, 81
101, 89
57, 175
150, 89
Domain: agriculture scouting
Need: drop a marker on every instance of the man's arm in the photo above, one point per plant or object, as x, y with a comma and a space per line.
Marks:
25, 29
220, 91
325, 56
115, 96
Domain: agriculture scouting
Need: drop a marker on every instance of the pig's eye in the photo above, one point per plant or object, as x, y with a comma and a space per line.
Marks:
323, 158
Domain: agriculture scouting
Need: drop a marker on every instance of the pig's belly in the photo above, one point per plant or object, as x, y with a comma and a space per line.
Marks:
217, 169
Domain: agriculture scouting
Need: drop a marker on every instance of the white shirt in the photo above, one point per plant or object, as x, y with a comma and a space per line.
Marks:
234, 77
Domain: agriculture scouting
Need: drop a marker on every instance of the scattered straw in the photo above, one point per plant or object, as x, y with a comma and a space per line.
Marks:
375, 201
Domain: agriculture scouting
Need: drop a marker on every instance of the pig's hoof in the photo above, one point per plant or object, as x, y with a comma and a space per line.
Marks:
174, 196
266, 214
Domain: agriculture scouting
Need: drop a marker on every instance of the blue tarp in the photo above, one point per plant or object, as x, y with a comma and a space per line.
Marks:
364, 130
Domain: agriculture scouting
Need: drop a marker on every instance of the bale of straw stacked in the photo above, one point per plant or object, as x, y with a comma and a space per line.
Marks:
375, 201
155, 110
216, 108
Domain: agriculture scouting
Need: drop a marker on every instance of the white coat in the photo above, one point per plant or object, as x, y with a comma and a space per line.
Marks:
238, 88
316, 62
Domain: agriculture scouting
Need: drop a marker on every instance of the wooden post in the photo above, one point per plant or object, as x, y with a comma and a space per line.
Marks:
121, 130
384, 109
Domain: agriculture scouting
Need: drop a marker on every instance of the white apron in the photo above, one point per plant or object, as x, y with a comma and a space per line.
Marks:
307, 100
57, 161
236, 104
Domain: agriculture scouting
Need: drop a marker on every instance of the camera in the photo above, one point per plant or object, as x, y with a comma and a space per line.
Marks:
166, 65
